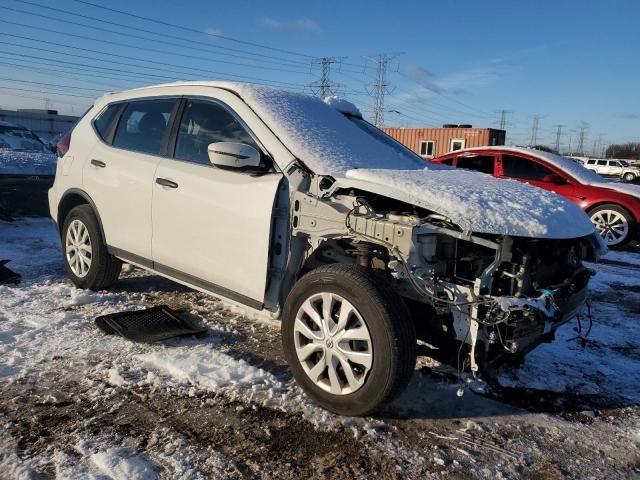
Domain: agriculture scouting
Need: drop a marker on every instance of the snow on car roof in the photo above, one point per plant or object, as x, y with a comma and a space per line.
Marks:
565, 164
315, 131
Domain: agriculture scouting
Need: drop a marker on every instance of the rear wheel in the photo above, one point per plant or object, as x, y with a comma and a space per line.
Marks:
348, 338
86, 259
614, 224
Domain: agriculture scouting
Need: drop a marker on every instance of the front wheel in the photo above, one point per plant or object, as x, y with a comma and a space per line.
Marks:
629, 177
348, 339
86, 259
614, 224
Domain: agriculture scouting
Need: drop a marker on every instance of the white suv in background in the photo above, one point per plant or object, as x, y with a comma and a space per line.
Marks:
614, 168
298, 207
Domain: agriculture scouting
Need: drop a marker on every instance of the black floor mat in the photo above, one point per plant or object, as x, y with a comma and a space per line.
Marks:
150, 325
8, 276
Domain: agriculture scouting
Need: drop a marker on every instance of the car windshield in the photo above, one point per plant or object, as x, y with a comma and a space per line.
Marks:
327, 141
571, 168
624, 163
388, 141
21, 139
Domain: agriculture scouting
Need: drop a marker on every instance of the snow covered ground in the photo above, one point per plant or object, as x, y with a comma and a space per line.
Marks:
75, 403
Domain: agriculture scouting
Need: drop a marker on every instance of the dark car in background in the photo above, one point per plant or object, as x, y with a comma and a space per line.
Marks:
27, 170
613, 207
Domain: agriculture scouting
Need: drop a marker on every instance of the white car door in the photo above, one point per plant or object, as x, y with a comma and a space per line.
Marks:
119, 174
615, 168
211, 226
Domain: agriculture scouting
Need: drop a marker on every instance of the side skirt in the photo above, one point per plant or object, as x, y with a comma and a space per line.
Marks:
185, 279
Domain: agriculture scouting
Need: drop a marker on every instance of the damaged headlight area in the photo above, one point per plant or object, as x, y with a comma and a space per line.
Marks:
500, 297
485, 298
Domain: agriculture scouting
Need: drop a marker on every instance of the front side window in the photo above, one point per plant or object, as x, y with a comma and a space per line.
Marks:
204, 123
143, 126
479, 163
427, 148
520, 167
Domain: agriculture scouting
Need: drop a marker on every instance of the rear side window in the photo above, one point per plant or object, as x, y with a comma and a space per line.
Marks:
204, 123
143, 126
104, 120
447, 161
479, 163
519, 167
602, 163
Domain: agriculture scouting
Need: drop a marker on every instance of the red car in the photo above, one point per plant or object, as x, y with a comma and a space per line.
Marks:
613, 207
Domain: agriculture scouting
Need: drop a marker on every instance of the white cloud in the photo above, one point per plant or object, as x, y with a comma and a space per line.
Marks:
214, 31
423, 77
300, 24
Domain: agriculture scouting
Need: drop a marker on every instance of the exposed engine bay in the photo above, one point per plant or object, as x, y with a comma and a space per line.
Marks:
490, 296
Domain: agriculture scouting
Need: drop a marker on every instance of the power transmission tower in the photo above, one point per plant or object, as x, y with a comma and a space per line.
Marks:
502, 124
380, 88
558, 135
325, 87
581, 137
597, 143
534, 130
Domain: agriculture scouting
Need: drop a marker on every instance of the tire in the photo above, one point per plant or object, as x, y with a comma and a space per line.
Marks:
391, 346
82, 239
629, 177
606, 217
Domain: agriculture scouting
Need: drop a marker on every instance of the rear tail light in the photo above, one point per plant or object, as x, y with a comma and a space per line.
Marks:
63, 144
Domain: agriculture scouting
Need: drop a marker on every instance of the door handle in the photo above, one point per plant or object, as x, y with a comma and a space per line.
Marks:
98, 163
166, 182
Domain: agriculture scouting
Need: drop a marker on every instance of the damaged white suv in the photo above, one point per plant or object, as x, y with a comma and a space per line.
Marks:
297, 206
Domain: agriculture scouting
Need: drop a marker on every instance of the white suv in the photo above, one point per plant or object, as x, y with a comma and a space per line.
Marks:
298, 207
614, 168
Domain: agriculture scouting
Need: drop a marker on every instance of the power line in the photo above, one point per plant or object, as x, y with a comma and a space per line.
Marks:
82, 74
185, 28
93, 67
448, 97
50, 84
162, 35
47, 92
148, 49
210, 49
185, 70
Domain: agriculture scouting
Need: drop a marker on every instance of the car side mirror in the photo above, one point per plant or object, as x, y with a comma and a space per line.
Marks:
233, 155
555, 179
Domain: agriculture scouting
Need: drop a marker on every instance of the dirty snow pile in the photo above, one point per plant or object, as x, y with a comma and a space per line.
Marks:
483, 204
14, 162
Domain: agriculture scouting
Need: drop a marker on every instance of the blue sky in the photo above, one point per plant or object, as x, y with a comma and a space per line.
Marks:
455, 61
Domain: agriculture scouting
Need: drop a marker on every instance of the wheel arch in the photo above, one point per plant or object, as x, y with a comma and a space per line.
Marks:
615, 203
71, 199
